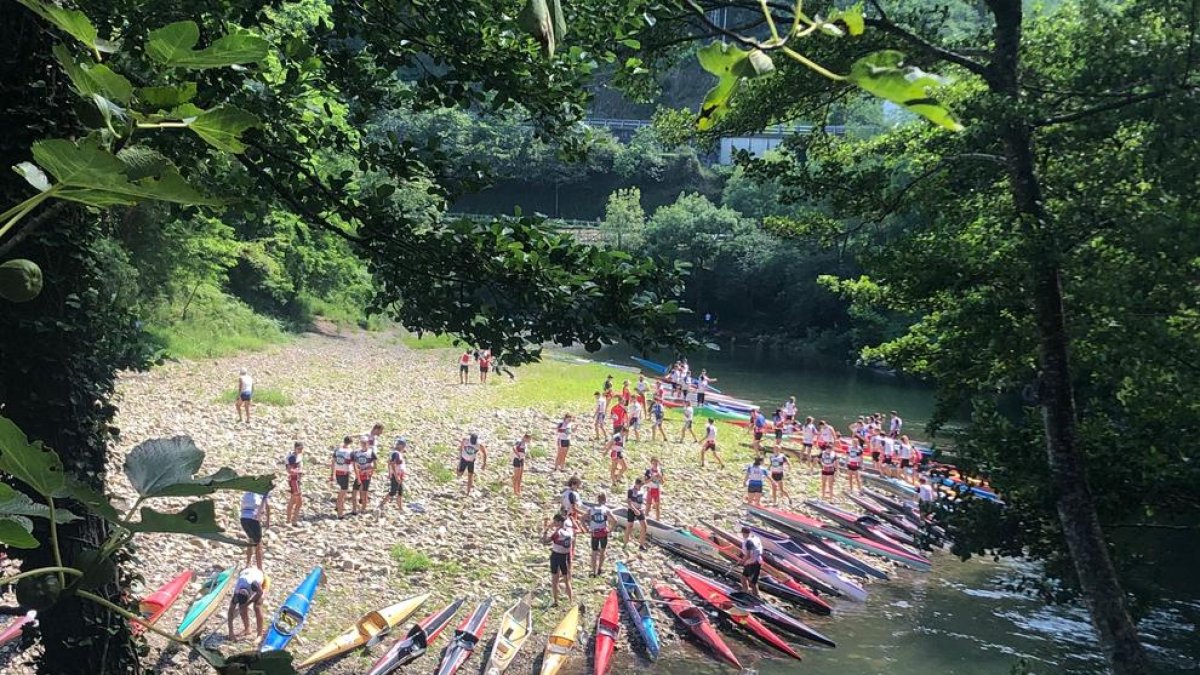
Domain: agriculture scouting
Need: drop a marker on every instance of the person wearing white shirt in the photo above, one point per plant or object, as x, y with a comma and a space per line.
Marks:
245, 394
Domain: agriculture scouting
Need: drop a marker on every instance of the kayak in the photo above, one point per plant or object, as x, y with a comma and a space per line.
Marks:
781, 548
291, 616
835, 556
884, 514
781, 587
659, 369
206, 605
14, 627
733, 553
697, 623
896, 487
417, 642
717, 595
716, 412
562, 641
796, 522
153, 606
370, 629
637, 608
897, 505
608, 628
866, 525
819, 577
515, 628
465, 639
780, 618
660, 532
830, 559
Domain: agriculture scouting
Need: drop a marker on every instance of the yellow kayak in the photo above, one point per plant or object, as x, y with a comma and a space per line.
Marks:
562, 641
515, 629
371, 626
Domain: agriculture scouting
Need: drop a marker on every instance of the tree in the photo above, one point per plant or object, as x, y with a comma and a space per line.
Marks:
1005, 238
623, 215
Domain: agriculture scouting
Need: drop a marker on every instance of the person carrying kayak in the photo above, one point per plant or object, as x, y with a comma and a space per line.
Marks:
519, 453
560, 535
256, 517
397, 469
828, 461
635, 419
245, 394
657, 413
295, 471
710, 444
469, 449
571, 503
562, 432
635, 506
464, 367
751, 561
779, 462
854, 458
340, 465
248, 592
600, 522
616, 457
654, 481
689, 414
365, 459
598, 420
756, 475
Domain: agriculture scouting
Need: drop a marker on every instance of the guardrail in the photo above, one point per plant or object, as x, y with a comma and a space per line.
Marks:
617, 124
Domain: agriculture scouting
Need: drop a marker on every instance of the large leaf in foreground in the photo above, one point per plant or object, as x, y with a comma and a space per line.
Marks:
166, 467
222, 127
13, 503
198, 519
731, 65
35, 465
92, 78
89, 174
70, 21
16, 533
174, 45
884, 74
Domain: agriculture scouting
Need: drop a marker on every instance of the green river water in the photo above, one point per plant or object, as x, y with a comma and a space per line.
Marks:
964, 617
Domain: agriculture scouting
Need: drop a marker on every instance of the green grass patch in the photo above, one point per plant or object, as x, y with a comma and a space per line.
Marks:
267, 395
554, 381
427, 341
212, 324
440, 473
410, 560
539, 453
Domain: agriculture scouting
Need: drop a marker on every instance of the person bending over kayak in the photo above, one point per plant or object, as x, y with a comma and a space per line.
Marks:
635, 419
599, 417
654, 481
828, 462
635, 504
854, 459
710, 444
397, 469
464, 367
245, 394
295, 471
519, 453
248, 592
752, 552
600, 522
256, 516
468, 450
756, 475
340, 466
563, 433
616, 456
559, 533
656, 416
365, 460
572, 503
689, 414
779, 462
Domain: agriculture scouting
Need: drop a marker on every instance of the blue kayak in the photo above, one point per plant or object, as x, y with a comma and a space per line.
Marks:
659, 369
290, 617
638, 609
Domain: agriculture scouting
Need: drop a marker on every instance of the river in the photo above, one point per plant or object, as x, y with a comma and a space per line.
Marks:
964, 617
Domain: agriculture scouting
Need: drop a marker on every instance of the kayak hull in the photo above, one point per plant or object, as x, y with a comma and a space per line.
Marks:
515, 628
562, 642
697, 624
153, 606
200, 611
608, 628
466, 639
794, 522
416, 643
638, 609
295, 610
372, 626
717, 595
14, 628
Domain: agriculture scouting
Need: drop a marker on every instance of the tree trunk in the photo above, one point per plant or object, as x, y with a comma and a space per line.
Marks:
1076, 511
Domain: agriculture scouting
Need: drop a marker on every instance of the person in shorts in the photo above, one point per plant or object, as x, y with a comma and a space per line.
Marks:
854, 458
464, 367
397, 469
256, 516
340, 466
779, 462
601, 413
295, 472
519, 455
599, 522
563, 432
469, 449
751, 560
245, 394
828, 461
710, 444
485, 365
689, 415
808, 436
365, 459
657, 413
616, 458
654, 481
248, 591
559, 533
635, 512
756, 476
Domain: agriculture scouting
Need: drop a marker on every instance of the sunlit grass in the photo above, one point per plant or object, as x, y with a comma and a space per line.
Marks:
267, 395
427, 341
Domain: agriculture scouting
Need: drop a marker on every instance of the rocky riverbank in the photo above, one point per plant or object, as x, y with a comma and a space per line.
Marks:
478, 547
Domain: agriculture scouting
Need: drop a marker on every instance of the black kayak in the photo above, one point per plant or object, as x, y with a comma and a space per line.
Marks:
417, 642
780, 618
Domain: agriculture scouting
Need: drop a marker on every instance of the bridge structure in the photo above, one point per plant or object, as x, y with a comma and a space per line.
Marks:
586, 231
756, 144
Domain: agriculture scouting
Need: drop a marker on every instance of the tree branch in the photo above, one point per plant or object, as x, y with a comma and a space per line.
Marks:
884, 24
1104, 107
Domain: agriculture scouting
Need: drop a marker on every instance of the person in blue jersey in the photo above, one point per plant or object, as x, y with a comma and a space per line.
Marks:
756, 477
341, 465
758, 425
657, 415
397, 471
469, 450
600, 523
256, 517
294, 464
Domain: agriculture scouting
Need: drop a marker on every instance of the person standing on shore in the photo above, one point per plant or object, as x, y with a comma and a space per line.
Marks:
654, 481
895, 425
710, 444
777, 424
598, 431
702, 386
295, 472
600, 523
608, 388
397, 469
485, 365
256, 517
752, 551
656, 415
756, 475
854, 459
245, 394
616, 457
571, 502
626, 395
635, 420
904, 451
779, 462
560, 535
464, 367
520, 452
340, 465
808, 436
789, 410
641, 388
365, 459
689, 415
469, 449
617, 413
635, 505
563, 434
828, 461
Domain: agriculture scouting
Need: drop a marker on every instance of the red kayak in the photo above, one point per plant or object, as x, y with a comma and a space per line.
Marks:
734, 554
14, 628
717, 595
697, 623
608, 626
153, 606
465, 639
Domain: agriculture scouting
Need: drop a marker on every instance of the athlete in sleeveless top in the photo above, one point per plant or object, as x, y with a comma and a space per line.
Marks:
520, 452
340, 465
756, 475
828, 460
710, 444
469, 449
654, 481
295, 472
779, 462
616, 456
600, 522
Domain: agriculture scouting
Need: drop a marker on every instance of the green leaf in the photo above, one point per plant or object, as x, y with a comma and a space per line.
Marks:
222, 127
31, 463
166, 467
165, 98
142, 162
14, 533
173, 45
852, 17
95, 502
33, 175
91, 78
13, 503
884, 74
731, 65
545, 21
198, 519
90, 174
70, 21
